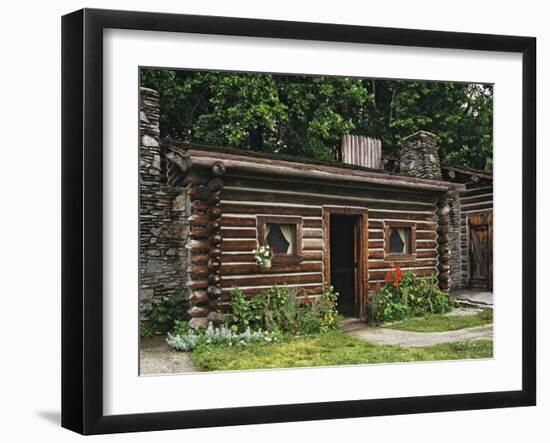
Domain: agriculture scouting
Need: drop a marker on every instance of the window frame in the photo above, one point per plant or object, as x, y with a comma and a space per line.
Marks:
282, 259
388, 226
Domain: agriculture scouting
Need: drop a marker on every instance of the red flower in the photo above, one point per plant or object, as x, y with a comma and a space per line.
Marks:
387, 277
307, 300
377, 287
398, 275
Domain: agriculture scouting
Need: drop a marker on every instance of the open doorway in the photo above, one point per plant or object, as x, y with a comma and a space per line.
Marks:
345, 262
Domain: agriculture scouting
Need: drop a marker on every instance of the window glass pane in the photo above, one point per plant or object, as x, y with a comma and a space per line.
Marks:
281, 238
399, 240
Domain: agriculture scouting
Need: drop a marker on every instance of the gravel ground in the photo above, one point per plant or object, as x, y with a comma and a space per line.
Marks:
156, 358
464, 312
480, 298
420, 339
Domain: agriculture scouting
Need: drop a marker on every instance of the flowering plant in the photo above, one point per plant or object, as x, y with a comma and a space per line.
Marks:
263, 256
403, 295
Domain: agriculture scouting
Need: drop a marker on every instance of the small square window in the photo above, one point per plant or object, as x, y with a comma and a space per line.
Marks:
281, 238
400, 240
283, 234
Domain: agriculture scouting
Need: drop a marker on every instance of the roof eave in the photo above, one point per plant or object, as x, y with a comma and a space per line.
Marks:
263, 166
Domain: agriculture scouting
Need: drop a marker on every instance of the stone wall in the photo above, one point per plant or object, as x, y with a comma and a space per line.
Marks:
163, 224
455, 227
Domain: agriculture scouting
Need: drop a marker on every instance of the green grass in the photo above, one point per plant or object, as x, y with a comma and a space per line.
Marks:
440, 322
335, 348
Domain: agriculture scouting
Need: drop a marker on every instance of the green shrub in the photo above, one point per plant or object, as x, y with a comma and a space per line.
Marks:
181, 327
166, 311
280, 309
404, 295
319, 314
247, 313
146, 331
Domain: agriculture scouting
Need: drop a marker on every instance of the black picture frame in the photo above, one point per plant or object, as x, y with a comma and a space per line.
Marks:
82, 240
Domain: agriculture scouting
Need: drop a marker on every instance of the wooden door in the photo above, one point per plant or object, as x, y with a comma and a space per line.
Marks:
481, 251
343, 259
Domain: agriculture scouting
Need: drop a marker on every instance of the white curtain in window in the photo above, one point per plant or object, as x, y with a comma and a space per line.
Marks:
403, 234
288, 234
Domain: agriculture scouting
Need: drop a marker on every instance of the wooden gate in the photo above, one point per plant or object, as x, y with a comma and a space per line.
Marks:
481, 251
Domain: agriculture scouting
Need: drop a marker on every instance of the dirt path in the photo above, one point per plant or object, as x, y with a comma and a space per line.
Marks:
156, 357
385, 336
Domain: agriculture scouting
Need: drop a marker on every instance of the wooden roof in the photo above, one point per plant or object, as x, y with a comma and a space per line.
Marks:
295, 167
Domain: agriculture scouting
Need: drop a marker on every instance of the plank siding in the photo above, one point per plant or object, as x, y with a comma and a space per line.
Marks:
250, 268
239, 233
273, 196
474, 200
313, 222
312, 233
346, 194
227, 221
275, 279
246, 208
314, 289
378, 275
384, 264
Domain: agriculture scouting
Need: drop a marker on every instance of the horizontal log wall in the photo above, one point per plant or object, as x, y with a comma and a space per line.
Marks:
477, 199
242, 200
239, 228
423, 217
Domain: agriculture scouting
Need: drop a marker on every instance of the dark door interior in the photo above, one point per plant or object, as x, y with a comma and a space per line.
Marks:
343, 263
480, 251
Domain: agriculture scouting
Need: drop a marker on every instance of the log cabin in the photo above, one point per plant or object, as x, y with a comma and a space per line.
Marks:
205, 209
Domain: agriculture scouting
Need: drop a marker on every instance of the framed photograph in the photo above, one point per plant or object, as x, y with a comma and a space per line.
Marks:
269, 221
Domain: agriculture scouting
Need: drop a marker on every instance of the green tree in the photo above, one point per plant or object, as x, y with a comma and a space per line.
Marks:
460, 114
307, 116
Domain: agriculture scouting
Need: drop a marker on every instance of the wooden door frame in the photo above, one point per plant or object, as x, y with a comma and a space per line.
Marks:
362, 275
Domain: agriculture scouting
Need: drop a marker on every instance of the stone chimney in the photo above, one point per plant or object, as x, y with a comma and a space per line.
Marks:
419, 156
361, 151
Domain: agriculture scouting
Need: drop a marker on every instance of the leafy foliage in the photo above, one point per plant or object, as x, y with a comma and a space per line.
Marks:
246, 312
165, 311
320, 314
307, 115
279, 309
146, 331
403, 295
